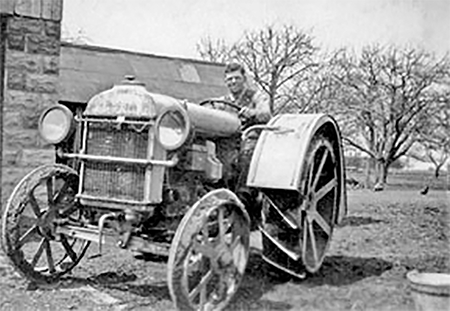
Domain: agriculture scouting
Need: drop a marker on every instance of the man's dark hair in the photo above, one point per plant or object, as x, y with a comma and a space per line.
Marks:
232, 67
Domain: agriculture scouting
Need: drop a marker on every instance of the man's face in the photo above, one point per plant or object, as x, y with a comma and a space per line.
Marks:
235, 81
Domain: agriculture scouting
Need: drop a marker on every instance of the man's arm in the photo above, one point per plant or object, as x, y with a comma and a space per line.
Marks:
262, 107
260, 110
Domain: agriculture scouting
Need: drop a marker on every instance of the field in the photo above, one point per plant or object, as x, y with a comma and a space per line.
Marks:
385, 235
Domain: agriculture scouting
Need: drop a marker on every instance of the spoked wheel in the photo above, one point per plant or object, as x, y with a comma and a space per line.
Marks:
209, 253
320, 194
43, 198
297, 226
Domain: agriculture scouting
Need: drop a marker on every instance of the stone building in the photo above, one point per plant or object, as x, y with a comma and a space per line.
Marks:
37, 70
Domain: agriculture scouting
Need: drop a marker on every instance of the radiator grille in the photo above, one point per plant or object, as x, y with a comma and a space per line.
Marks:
112, 180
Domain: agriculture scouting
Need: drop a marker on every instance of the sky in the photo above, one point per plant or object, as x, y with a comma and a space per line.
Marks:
174, 27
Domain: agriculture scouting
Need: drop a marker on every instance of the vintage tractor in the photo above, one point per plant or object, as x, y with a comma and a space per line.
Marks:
156, 175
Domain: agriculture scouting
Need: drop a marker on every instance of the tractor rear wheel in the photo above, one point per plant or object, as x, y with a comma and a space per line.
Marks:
297, 225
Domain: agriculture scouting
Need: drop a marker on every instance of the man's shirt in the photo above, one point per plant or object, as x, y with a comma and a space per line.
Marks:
253, 100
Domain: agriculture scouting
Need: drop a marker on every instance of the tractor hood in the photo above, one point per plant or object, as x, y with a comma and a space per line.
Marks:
128, 99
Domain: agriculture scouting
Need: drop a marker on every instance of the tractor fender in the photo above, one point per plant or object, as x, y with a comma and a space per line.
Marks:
279, 155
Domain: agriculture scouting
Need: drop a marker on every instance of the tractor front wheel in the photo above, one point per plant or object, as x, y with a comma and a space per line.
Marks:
209, 253
41, 200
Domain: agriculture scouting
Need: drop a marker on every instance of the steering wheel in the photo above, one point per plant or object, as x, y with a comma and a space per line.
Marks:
213, 102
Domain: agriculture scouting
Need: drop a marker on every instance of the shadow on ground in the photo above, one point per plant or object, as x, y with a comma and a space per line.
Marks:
126, 282
354, 221
336, 271
344, 270
259, 279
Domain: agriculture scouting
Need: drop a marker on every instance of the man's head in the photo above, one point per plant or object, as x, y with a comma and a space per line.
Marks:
235, 78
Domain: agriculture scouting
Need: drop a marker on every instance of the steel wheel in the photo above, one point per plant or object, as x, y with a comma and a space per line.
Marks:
209, 253
297, 225
43, 198
320, 198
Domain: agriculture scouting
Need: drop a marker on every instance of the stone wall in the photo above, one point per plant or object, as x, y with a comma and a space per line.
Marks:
30, 65
3, 21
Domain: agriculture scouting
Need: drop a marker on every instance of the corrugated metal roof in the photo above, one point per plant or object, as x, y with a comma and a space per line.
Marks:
88, 70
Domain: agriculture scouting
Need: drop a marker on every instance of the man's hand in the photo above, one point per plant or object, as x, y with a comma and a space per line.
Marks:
247, 113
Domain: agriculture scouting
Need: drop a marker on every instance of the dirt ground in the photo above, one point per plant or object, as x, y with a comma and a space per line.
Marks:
385, 235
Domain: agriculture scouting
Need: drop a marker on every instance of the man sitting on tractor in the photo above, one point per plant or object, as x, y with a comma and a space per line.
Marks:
254, 109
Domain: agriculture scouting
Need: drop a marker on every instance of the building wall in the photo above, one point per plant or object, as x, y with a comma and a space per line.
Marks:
30, 66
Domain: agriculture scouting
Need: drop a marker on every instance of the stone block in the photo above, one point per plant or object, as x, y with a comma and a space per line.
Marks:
16, 111
12, 119
7, 6
20, 100
16, 41
53, 29
30, 8
22, 115
41, 44
24, 25
19, 138
11, 175
37, 157
28, 158
41, 83
15, 79
45, 9
52, 9
50, 65
18, 163
21, 61
30, 120
12, 157
48, 99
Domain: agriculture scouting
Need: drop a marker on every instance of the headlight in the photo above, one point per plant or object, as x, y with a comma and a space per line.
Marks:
172, 128
56, 124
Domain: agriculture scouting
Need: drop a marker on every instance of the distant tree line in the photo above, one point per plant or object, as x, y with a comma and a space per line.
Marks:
389, 101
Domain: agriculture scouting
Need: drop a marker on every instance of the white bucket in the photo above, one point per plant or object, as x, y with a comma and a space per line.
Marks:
430, 291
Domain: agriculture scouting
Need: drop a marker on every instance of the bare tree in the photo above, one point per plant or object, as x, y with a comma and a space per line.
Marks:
387, 95
214, 50
315, 90
274, 56
434, 137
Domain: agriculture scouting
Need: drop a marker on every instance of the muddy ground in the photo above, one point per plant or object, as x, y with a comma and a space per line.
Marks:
385, 235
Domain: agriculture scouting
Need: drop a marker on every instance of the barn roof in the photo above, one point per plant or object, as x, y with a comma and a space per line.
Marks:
88, 70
